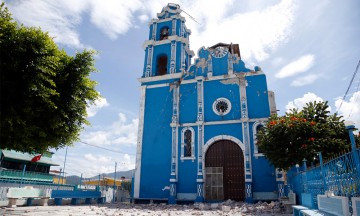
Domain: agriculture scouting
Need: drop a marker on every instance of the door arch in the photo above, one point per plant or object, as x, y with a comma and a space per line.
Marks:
224, 171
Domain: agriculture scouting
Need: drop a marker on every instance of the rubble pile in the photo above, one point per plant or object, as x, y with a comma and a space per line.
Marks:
227, 208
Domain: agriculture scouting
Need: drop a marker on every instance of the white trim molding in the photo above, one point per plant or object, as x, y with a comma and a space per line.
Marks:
223, 137
139, 142
245, 127
223, 122
160, 78
166, 41
200, 149
174, 142
272, 103
148, 70
153, 35
173, 58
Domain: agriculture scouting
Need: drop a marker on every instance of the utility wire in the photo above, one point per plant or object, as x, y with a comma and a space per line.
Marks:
356, 97
352, 79
105, 148
190, 16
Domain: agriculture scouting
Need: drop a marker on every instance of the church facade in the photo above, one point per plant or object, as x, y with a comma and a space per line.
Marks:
198, 122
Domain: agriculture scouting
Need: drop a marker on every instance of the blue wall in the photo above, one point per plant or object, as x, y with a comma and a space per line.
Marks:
188, 103
220, 65
234, 130
214, 90
257, 94
156, 149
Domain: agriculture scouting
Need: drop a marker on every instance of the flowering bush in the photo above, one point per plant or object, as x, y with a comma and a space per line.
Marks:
287, 140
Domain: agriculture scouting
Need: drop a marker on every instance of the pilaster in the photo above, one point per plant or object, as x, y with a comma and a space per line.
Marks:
200, 118
139, 142
246, 132
248, 192
174, 146
182, 57
173, 57
153, 35
230, 64
149, 61
280, 182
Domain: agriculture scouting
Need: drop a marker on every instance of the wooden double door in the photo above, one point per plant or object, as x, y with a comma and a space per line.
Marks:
224, 170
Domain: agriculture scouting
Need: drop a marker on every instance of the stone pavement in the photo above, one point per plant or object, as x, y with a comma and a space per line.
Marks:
125, 209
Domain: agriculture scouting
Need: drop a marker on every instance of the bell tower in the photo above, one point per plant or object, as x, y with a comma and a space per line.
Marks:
167, 59
167, 48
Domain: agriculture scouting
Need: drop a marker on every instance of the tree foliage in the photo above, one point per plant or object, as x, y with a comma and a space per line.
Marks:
287, 140
44, 92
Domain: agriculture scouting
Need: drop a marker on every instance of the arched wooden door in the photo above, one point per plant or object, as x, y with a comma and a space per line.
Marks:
224, 170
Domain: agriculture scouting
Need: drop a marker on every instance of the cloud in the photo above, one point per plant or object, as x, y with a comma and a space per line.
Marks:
95, 163
258, 32
306, 80
277, 61
299, 103
101, 158
59, 18
113, 17
298, 66
62, 18
143, 18
92, 109
350, 109
121, 132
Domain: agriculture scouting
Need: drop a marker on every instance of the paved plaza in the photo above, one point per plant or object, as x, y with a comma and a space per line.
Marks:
124, 209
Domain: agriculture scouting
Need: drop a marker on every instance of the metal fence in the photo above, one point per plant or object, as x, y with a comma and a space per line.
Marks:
339, 176
13, 175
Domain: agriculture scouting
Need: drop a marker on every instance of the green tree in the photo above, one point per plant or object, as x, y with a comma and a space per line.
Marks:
287, 140
43, 91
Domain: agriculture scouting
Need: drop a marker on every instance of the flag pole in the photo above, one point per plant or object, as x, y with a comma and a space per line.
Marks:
65, 164
114, 183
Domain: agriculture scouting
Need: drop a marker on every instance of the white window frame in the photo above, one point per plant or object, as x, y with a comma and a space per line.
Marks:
256, 150
192, 157
224, 100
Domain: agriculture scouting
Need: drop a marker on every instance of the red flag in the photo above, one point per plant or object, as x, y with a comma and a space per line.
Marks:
36, 158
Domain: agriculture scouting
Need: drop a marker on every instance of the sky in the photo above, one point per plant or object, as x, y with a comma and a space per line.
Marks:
308, 49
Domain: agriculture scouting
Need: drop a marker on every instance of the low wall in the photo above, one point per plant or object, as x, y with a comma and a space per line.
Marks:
108, 193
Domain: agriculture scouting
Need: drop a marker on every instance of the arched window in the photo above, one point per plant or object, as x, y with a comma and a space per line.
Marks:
164, 33
256, 129
162, 65
187, 143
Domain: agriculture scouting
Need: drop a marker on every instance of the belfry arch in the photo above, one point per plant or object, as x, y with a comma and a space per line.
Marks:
162, 64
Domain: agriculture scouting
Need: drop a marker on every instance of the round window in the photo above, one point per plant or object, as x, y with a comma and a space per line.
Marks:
221, 106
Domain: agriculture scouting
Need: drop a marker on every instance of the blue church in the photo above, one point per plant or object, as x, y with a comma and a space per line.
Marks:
198, 122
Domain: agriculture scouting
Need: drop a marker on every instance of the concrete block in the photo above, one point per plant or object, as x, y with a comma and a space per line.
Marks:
225, 208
